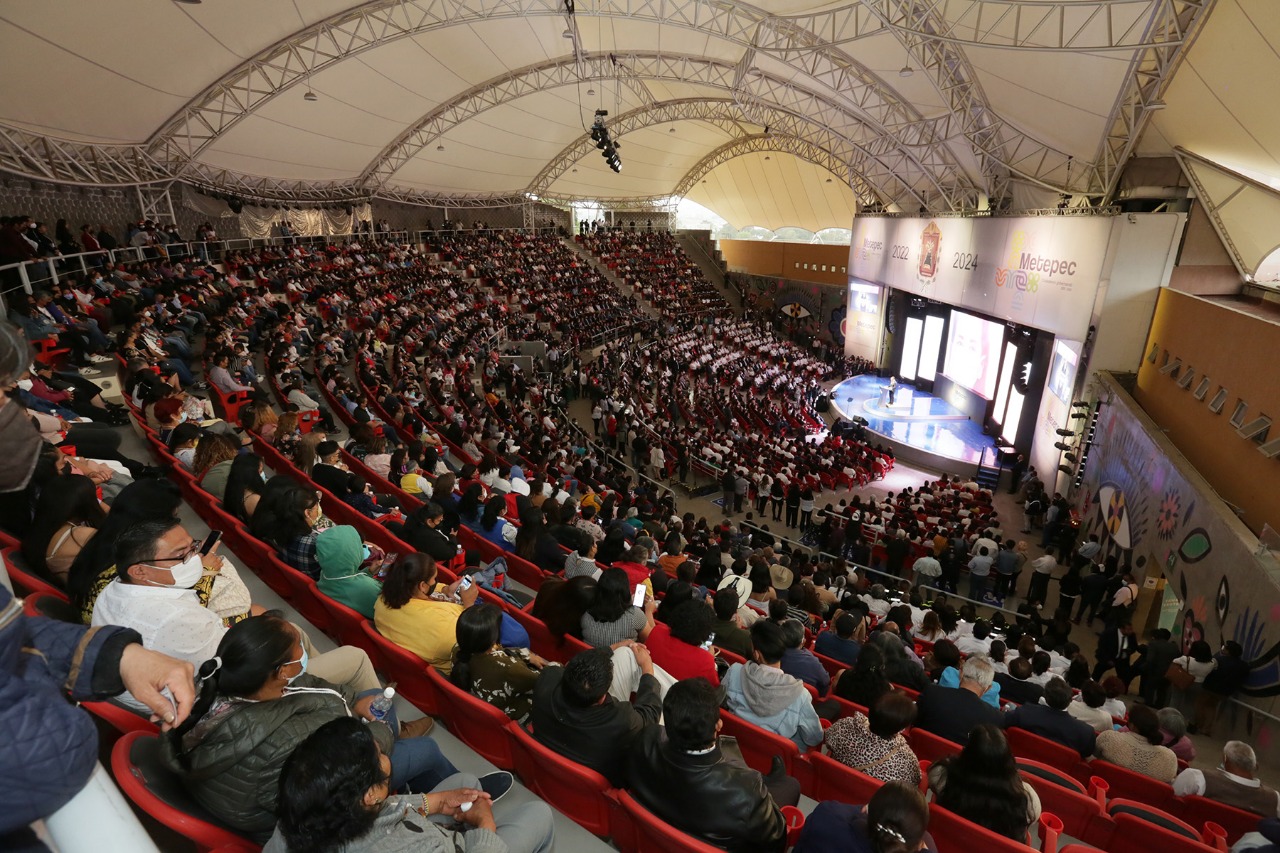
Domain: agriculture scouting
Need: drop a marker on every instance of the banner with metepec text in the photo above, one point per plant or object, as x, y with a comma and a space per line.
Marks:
1041, 272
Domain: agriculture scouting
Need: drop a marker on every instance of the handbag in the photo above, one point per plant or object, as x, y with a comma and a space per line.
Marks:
1178, 676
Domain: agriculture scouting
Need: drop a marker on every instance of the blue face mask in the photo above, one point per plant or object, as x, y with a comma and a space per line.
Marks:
302, 660
366, 552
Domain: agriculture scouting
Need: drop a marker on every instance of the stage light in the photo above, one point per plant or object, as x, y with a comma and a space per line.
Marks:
1065, 431
310, 96
1061, 445
906, 71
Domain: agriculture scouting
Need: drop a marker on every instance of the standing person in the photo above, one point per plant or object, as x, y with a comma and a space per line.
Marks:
1016, 471
728, 485
793, 504
979, 572
740, 487
1041, 573
1227, 677
1159, 652
1092, 589
777, 496
1116, 646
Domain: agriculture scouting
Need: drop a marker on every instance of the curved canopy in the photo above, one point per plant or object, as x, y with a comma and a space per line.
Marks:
907, 104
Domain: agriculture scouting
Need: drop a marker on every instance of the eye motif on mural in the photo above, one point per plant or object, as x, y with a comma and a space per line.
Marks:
1168, 516
1195, 546
1222, 602
1264, 667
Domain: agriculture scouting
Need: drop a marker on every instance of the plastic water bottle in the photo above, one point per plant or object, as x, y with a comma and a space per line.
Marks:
382, 705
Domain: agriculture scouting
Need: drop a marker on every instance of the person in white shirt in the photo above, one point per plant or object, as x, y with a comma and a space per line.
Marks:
977, 643
925, 570
158, 566
1087, 707
1233, 783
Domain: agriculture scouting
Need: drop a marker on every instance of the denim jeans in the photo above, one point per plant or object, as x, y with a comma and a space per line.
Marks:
417, 764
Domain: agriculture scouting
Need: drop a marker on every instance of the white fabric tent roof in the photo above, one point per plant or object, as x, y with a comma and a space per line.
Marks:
488, 101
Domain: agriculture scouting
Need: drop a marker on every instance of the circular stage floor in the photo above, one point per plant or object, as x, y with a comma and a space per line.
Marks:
916, 420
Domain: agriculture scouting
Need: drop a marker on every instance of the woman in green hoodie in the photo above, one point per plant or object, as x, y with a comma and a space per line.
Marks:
340, 553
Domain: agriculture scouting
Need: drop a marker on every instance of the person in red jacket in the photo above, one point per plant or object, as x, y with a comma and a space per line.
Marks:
682, 645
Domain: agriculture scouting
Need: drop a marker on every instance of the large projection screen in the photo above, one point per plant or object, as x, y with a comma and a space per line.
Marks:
973, 353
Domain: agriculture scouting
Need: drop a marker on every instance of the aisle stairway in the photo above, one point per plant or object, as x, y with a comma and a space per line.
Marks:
625, 289
702, 250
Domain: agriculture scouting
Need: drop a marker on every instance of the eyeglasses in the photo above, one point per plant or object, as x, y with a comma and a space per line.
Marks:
193, 548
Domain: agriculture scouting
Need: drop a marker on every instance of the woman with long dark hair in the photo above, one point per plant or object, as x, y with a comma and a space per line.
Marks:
244, 487
866, 682
493, 527
894, 821
612, 618
335, 795
471, 505
503, 677
982, 785
66, 519
536, 544
256, 704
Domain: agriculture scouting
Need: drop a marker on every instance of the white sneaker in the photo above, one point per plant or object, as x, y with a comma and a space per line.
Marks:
99, 359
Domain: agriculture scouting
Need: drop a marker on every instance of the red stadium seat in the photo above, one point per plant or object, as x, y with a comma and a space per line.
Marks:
51, 607
578, 791
930, 747
1200, 810
24, 582
1134, 834
1154, 816
759, 746
1125, 784
120, 718
638, 830
1081, 814
831, 780
406, 669
305, 595
346, 625
1025, 744
142, 775
474, 721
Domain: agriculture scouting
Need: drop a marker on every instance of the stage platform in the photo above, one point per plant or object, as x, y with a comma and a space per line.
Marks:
922, 429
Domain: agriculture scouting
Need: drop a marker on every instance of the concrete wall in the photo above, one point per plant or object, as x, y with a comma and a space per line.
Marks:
1157, 513
1236, 351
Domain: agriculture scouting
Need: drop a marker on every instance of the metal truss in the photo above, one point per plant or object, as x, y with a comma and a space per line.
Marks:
897, 172
61, 161
275, 69
1065, 25
1230, 186
752, 144
793, 134
1170, 36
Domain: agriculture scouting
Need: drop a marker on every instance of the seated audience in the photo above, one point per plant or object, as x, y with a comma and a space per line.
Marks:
866, 682
245, 483
256, 705
681, 646
1051, 720
982, 785
799, 661
612, 617
894, 821
575, 715
1174, 728
761, 693
952, 712
1139, 747
418, 614
1234, 783
874, 744
341, 556
679, 772
67, 515
1016, 685
336, 795
1087, 707
839, 644
503, 677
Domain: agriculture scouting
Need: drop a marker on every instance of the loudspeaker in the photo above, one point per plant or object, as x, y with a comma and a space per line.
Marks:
235, 204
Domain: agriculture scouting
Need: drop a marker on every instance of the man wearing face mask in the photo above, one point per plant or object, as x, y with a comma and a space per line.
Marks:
157, 565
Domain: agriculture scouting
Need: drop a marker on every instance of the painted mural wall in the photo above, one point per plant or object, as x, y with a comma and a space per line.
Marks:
1155, 513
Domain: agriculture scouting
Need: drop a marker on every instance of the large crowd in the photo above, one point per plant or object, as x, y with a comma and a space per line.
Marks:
665, 626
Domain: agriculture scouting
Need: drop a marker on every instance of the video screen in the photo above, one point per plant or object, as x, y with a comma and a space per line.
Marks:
1062, 375
973, 353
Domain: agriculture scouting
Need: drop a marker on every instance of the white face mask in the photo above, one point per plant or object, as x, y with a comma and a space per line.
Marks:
25, 384
186, 573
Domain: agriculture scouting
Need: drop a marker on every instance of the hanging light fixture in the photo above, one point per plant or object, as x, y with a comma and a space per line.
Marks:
440, 147
310, 96
591, 92
906, 71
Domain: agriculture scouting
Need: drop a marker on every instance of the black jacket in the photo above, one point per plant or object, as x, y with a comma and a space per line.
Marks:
599, 736
720, 801
1055, 725
1112, 646
332, 478
431, 540
1022, 692
953, 712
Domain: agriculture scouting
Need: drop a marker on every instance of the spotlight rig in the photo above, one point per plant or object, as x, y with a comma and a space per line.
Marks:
608, 148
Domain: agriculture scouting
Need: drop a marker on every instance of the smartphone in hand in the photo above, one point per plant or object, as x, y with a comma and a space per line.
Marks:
209, 542
638, 599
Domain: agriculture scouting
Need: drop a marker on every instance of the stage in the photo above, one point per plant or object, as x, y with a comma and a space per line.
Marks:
922, 429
